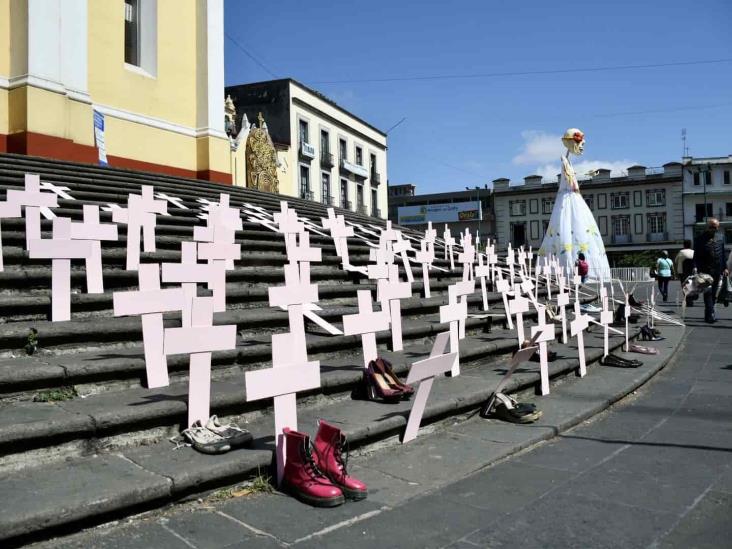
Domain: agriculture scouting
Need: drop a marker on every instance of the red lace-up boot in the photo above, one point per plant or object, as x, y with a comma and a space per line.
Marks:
329, 445
303, 479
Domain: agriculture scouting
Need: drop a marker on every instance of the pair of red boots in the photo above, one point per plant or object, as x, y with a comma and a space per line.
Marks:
316, 473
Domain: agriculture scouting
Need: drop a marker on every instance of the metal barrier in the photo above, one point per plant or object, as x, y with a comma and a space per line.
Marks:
631, 274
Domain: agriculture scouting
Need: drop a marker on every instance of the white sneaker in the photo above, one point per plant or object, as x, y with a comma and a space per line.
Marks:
233, 434
204, 440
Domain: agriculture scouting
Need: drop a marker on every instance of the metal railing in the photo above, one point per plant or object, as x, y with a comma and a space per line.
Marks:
307, 150
326, 159
657, 237
362, 209
375, 178
327, 200
346, 205
631, 274
306, 194
376, 212
622, 239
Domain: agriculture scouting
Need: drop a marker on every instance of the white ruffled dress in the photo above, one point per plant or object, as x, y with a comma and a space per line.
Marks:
573, 229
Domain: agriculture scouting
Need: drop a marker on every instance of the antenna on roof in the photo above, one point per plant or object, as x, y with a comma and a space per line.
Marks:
684, 148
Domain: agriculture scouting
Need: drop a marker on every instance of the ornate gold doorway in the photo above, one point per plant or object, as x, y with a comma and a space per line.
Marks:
261, 159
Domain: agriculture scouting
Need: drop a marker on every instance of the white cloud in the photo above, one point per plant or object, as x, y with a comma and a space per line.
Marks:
539, 147
543, 150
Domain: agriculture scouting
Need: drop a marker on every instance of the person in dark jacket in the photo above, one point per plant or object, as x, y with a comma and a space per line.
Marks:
709, 259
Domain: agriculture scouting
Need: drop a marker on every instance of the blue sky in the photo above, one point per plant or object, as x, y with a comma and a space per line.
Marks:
469, 131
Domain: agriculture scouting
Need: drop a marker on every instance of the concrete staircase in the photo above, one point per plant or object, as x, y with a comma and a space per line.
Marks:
82, 440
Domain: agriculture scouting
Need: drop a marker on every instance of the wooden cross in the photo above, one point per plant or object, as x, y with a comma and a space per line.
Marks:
189, 273
430, 236
93, 231
562, 298
199, 340
218, 238
510, 260
425, 256
339, 232
424, 372
391, 291
177, 202
454, 312
140, 215
151, 302
541, 334
449, 243
60, 249
503, 287
483, 271
31, 199
402, 246
518, 306
467, 256
577, 326
366, 323
461, 290
7, 209
288, 223
292, 297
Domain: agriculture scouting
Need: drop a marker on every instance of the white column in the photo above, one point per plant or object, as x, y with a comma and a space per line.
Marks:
44, 44
211, 109
74, 49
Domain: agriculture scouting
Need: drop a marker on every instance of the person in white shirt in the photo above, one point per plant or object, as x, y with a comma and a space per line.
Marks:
684, 266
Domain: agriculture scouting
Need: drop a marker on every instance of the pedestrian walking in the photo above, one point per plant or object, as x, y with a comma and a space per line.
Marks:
664, 272
709, 259
583, 268
684, 266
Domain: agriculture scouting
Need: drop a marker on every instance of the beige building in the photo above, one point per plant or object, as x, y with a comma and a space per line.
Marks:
324, 152
708, 193
638, 211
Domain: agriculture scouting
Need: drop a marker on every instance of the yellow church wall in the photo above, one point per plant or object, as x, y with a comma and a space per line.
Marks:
17, 109
169, 94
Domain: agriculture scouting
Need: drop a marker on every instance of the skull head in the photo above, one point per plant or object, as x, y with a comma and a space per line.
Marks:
574, 140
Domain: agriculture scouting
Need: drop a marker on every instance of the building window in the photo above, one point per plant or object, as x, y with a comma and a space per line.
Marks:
703, 177
696, 178
372, 162
360, 207
656, 197
304, 132
132, 32
619, 201
728, 209
602, 221
544, 227
700, 216
518, 234
342, 149
534, 206
534, 229
726, 177
374, 203
589, 200
638, 222
637, 199
325, 181
621, 225
547, 204
359, 156
324, 142
601, 201
305, 183
344, 195
517, 207
656, 223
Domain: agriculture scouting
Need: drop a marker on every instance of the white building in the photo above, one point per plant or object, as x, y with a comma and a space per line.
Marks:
638, 211
326, 153
707, 193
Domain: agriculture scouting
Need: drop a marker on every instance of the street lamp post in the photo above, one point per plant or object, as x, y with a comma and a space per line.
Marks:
480, 206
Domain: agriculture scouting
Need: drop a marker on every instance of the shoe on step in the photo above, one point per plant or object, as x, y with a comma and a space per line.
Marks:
234, 435
205, 441
331, 457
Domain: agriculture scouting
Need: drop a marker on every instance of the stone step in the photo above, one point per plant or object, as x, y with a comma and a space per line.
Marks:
52, 498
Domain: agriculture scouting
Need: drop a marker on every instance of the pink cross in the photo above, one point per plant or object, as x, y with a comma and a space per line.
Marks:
60, 250
288, 223
541, 334
93, 231
518, 306
467, 256
510, 260
291, 372
189, 273
425, 256
32, 200
401, 247
291, 297
455, 312
504, 288
461, 290
366, 323
7, 209
483, 271
424, 372
199, 340
151, 302
449, 243
430, 236
339, 233
140, 215
562, 301
577, 326
391, 291
218, 238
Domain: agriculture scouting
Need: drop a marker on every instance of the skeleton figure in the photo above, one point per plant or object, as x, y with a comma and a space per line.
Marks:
572, 228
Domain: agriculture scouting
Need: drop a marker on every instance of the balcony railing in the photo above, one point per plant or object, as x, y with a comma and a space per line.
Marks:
657, 237
326, 159
362, 209
375, 178
306, 194
622, 239
376, 212
307, 150
346, 205
328, 200
355, 169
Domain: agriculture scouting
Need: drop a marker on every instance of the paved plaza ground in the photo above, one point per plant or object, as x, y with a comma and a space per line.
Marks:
654, 470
